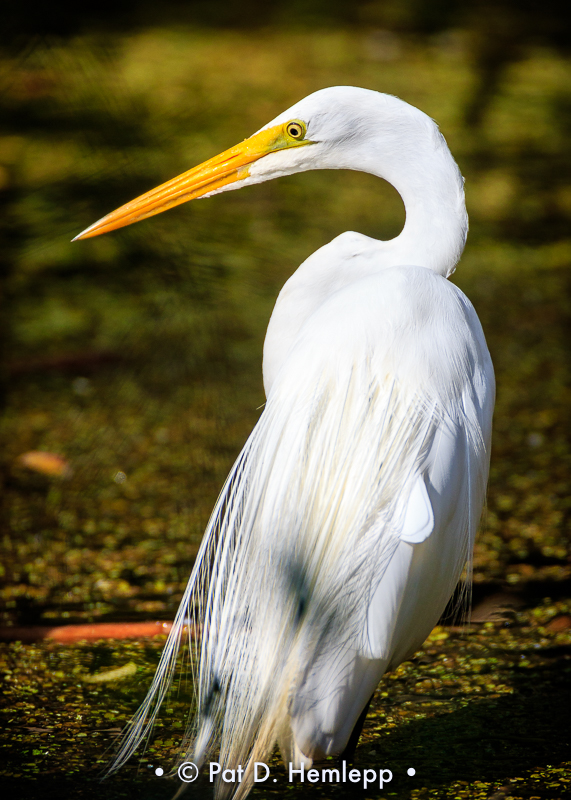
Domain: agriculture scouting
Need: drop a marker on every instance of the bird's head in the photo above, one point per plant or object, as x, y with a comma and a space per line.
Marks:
329, 129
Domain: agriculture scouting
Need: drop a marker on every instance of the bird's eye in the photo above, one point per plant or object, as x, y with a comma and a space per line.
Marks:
296, 129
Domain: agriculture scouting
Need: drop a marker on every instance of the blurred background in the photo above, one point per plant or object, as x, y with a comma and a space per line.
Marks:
132, 363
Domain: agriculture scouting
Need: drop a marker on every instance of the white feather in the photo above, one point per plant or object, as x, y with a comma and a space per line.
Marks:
350, 514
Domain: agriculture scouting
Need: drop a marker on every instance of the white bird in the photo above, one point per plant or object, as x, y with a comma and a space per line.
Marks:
346, 521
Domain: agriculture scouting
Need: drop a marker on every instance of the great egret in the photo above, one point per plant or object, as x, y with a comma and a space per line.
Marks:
350, 514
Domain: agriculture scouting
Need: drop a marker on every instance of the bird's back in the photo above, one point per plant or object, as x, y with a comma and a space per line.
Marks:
344, 524
350, 514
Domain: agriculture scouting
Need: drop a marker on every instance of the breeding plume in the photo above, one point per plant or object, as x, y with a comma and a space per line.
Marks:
348, 517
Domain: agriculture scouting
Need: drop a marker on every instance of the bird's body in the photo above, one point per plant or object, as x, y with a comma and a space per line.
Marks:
349, 516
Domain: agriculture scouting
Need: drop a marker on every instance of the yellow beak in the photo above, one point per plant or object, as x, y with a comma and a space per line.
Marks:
228, 167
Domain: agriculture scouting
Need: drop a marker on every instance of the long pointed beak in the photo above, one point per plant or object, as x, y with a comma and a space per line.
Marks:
228, 167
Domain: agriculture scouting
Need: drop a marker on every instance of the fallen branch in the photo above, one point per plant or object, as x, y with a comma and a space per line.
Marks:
77, 633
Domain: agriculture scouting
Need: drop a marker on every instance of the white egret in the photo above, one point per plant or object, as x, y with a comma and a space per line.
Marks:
348, 518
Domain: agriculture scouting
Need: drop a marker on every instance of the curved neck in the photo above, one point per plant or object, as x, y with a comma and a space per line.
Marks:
436, 222
429, 182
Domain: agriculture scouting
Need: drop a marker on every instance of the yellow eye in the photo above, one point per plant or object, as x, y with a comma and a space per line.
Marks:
296, 129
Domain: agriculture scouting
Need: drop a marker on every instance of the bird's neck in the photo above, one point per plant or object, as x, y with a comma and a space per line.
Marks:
432, 189
435, 229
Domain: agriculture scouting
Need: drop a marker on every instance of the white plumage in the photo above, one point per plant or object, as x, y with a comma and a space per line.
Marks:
350, 514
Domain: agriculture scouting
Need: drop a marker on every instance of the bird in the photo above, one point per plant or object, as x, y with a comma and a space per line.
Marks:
349, 517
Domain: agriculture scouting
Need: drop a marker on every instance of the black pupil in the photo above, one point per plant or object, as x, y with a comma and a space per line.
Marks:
294, 130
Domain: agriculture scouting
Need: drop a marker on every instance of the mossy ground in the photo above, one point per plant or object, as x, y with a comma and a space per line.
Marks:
478, 713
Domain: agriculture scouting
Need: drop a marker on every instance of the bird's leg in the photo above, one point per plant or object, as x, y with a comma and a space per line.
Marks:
349, 753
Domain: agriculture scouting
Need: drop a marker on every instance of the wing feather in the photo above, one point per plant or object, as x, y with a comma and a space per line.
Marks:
338, 489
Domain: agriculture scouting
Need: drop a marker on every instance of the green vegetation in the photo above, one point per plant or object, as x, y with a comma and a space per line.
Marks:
136, 357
